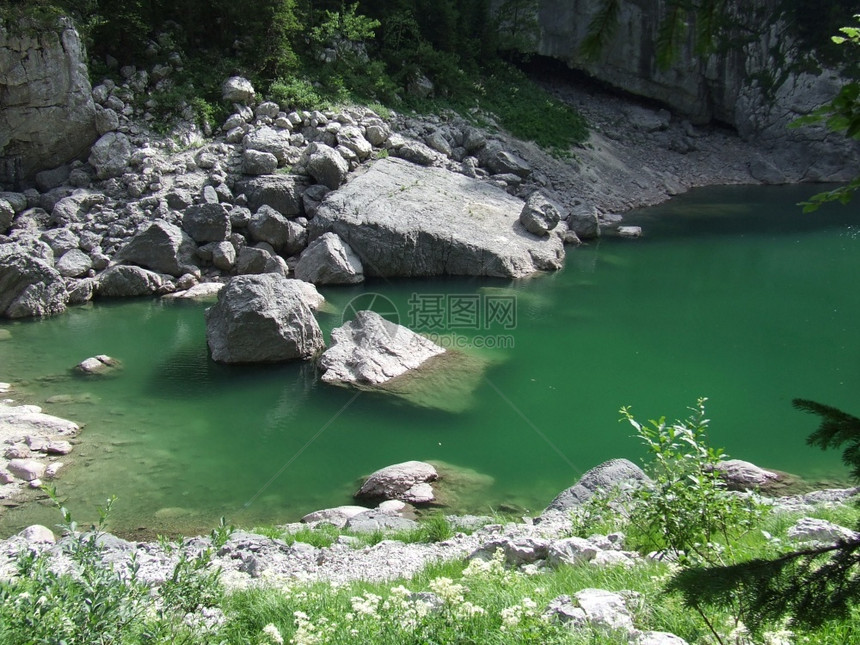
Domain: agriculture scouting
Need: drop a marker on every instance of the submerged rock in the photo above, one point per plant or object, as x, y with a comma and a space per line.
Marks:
98, 365
262, 318
406, 220
370, 350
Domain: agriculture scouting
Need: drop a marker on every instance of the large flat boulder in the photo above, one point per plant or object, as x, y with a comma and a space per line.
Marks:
407, 220
262, 318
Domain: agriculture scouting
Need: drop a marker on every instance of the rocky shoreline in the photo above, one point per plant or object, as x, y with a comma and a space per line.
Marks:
248, 560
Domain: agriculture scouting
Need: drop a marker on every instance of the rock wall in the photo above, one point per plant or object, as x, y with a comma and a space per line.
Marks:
46, 107
748, 84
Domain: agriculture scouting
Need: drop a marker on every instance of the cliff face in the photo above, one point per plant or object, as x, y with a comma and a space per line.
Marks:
749, 84
46, 107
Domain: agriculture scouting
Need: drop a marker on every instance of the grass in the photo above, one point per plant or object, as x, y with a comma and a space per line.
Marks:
432, 528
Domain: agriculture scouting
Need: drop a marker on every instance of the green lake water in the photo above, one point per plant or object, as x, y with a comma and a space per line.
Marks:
732, 294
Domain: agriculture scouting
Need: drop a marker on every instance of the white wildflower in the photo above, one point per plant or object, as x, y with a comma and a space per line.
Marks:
273, 635
449, 591
511, 616
366, 605
468, 610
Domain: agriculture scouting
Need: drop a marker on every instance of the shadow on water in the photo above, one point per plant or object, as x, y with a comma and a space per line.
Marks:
733, 211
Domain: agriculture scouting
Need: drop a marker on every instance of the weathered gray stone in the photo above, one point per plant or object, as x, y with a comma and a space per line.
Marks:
162, 247
329, 260
261, 318
237, 89
106, 120
26, 469
269, 226
605, 477
540, 215
38, 534
224, 256
570, 551
326, 165
29, 419
351, 138
29, 287
337, 516
49, 179
630, 231
74, 208
6, 216
372, 521
500, 161
98, 365
399, 481
440, 223
274, 142
583, 220
80, 291
257, 162
252, 260
605, 609
438, 142
110, 155
48, 111
313, 197
61, 240
517, 551
370, 350
281, 192
412, 151
122, 281
810, 529
73, 264
742, 475
207, 222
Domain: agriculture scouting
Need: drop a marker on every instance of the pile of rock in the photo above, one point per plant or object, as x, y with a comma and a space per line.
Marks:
32, 444
145, 215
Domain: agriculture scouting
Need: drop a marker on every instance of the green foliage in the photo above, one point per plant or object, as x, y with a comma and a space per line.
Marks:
96, 602
842, 114
601, 29
345, 25
296, 93
687, 511
837, 429
810, 586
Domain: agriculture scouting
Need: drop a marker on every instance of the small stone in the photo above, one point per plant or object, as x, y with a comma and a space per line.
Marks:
26, 469
58, 448
630, 231
52, 469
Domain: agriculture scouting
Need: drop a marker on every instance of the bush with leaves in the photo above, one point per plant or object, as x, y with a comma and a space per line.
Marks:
808, 586
95, 602
687, 510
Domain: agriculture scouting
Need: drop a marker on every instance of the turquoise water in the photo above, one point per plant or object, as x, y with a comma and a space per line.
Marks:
731, 294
